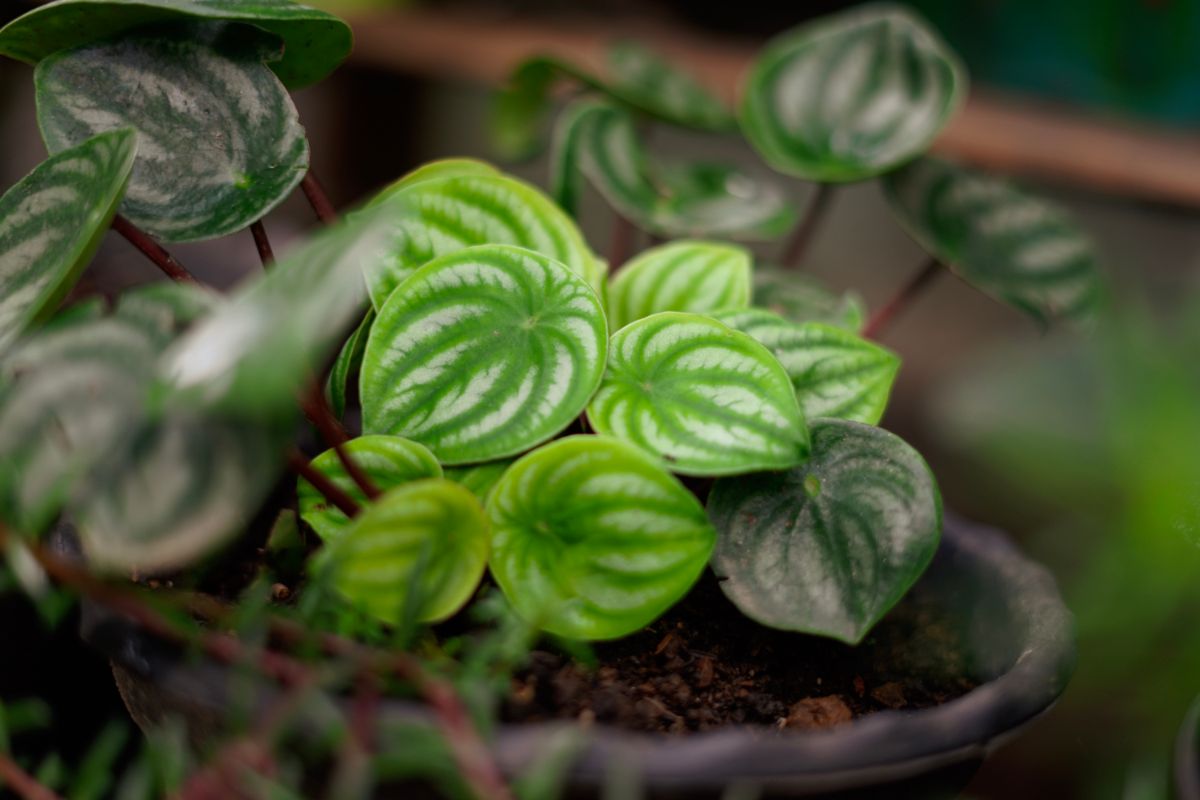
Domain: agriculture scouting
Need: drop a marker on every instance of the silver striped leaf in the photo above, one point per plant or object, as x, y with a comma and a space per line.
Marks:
830, 547
852, 95
219, 142
1016, 247
593, 539
835, 372
51, 223
387, 461
479, 478
315, 42
705, 398
483, 353
415, 555
694, 276
437, 170
801, 299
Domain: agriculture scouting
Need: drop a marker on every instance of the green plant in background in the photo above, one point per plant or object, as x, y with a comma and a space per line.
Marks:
522, 410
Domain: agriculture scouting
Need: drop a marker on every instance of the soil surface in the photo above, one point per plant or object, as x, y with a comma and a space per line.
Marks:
703, 665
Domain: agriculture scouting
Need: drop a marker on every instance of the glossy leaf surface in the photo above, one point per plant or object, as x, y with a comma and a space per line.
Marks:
801, 299
691, 276
1017, 247
830, 547
851, 96
483, 353
219, 142
52, 222
593, 539
705, 398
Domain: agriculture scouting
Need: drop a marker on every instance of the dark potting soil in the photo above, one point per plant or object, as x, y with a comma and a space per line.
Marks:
703, 665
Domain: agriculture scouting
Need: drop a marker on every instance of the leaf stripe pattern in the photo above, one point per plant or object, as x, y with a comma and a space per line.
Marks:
1012, 245
835, 373
799, 298
690, 276
483, 354
219, 141
51, 224
830, 547
851, 96
707, 399
593, 539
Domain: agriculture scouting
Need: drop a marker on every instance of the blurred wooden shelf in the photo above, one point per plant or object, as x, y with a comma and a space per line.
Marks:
1005, 134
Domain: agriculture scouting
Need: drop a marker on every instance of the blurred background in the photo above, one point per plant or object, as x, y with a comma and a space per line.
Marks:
1085, 447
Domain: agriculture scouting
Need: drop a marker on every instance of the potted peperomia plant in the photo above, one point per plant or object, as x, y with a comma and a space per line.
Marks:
675, 456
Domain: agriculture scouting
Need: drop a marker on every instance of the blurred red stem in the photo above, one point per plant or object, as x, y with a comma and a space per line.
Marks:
797, 246
262, 243
910, 290
152, 250
318, 199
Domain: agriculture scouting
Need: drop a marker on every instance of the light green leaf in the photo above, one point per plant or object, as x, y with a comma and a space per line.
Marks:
691, 276
349, 362
852, 95
483, 354
436, 170
801, 299
314, 42
707, 399
1017, 247
51, 224
419, 553
219, 142
387, 460
444, 215
830, 547
593, 539
479, 478
835, 372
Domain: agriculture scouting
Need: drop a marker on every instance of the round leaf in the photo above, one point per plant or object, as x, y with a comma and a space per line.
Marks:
436, 170
387, 460
830, 547
836, 373
416, 554
219, 142
1016, 247
707, 399
52, 222
852, 95
801, 299
681, 276
483, 353
593, 539
314, 42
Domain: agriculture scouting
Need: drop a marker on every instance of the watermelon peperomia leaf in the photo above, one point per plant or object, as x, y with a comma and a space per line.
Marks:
799, 298
51, 223
830, 547
348, 363
593, 539
387, 461
479, 478
835, 372
693, 276
483, 353
417, 553
219, 142
1012, 245
705, 398
851, 96
167, 308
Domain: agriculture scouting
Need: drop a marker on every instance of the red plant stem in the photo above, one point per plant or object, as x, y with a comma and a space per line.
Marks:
318, 199
620, 244
321, 415
265, 254
802, 236
330, 490
152, 250
21, 782
880, 319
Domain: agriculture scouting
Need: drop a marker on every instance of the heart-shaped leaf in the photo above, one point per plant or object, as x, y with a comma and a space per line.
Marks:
851, 96
593, 539
691, 276
417, 553
441, 216
219, 142
830, 547
483, 354
835, 372
315, 42
707, 399
52, 222
801, 299
479, 478
348, 363
387, 460
1016, 247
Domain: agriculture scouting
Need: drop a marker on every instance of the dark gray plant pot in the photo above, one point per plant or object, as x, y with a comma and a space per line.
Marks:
1187, 756
1012, 626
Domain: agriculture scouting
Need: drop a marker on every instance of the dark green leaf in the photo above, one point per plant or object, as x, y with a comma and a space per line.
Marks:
830, 547
690, 276
851, 96
219, 142
348, 363
801, 299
